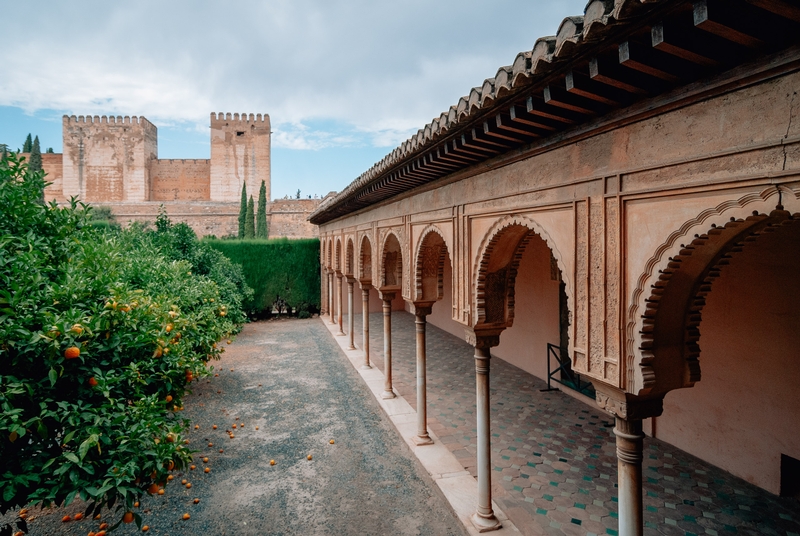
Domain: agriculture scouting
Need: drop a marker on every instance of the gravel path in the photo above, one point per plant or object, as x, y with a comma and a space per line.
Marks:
289, 379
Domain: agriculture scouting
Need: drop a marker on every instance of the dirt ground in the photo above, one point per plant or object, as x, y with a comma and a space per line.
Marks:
289, 379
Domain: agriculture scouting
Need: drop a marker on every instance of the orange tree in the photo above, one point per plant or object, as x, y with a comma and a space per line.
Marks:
100, 334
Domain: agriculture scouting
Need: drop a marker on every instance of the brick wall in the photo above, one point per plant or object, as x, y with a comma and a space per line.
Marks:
289, 218
180, 180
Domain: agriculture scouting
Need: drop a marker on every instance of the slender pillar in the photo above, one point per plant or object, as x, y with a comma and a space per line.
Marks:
629, 467
340, 297
365, 324
484, 519
422, 437
387, 344
323, 290
350, 320
331, 294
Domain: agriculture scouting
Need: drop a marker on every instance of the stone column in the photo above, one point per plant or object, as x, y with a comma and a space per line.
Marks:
350, 321
629, 475
387, 298
340, 296
323, 290
421, 311
331, 294
484, 519
365, 323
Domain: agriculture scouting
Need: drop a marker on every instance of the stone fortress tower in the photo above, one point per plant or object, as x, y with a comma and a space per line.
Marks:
240, 153
113, 161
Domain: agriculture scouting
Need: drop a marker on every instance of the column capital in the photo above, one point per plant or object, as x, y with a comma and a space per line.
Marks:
339, 273
350, 279
625, 405
366, 284
483, 338
422, 308
387, 294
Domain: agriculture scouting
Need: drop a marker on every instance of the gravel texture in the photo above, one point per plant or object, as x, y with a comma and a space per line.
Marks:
289, 379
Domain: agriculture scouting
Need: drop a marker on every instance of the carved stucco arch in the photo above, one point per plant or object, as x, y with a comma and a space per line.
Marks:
349, 256
329, 257
384, 256
692, 255
490, 240
338, 258
365, 257
420, 261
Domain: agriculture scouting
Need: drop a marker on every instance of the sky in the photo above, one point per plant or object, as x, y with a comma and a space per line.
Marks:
344, 81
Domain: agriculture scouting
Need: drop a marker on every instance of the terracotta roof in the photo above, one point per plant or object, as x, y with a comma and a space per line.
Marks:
573, 77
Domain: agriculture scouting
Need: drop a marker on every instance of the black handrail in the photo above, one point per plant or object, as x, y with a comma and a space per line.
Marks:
573, 379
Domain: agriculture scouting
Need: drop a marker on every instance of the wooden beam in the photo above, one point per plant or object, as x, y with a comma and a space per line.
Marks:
444, 154
469, 146
676, 48
480, 139
578, 86
703, 21
607, 75
516, 118
628, 58
533, 109
508, 126
555, 96
784, 9
487, 129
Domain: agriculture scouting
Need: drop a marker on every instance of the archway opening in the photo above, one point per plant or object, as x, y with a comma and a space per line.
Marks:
742, 415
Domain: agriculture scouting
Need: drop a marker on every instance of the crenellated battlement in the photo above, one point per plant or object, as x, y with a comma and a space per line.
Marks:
107, 120
218, 118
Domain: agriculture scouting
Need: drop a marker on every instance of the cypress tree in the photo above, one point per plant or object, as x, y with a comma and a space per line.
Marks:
35, 163
28, 145
261, 215
249, 224
243, 211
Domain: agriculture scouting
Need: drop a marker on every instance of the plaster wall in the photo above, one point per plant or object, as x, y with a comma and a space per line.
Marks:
289, 218
442, 313
180, 180
749, 362
205, 218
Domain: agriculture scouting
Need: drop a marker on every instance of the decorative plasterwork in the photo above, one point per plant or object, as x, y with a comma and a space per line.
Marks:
349, 257
483, 294
430, 259
365, 257
746, 216
391, 259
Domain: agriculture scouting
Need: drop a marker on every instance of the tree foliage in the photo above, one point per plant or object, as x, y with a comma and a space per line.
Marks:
101, 333
28, 144
261, 215
250, 221
35, 161
243, 211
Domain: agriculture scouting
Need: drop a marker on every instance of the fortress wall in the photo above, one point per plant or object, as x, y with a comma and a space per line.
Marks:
240, 153
52, 164
289, 217
107, 158
205, 218
180, 180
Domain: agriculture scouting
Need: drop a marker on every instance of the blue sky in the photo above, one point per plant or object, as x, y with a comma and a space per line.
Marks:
344, 82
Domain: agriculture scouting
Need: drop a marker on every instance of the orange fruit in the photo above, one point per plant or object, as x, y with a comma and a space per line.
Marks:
272, 462
207, 470
185, 517
91, 533
211, 444
170, 465
309, 456
103, 526
72, 352
92, 382
170, 477
152, 489
128, 517
78, 516
196, 501
221, 451
331, 441
232, 436
136, 504
205, 460
214, 427
97, 516
192, 467
77, 329
101, 533
196, 426
145, 528
160, 491
188, 485
170, 438
183, 481
169, 328
234, 425
168, 398
65, 519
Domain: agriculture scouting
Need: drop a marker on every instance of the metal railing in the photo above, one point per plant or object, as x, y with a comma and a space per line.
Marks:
568, 377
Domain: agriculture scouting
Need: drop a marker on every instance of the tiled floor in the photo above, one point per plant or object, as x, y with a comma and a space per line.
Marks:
554, 457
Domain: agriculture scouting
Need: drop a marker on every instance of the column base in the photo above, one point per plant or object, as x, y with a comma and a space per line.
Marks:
420, 440
341, 334
388, 394
366, 367
485, 524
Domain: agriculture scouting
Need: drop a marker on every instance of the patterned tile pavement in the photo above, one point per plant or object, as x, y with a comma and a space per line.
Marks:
554, 457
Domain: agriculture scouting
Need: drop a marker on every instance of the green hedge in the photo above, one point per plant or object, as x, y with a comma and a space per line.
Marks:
278, 268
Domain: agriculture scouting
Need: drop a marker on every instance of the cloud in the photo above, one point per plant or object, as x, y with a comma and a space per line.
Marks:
371, 72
